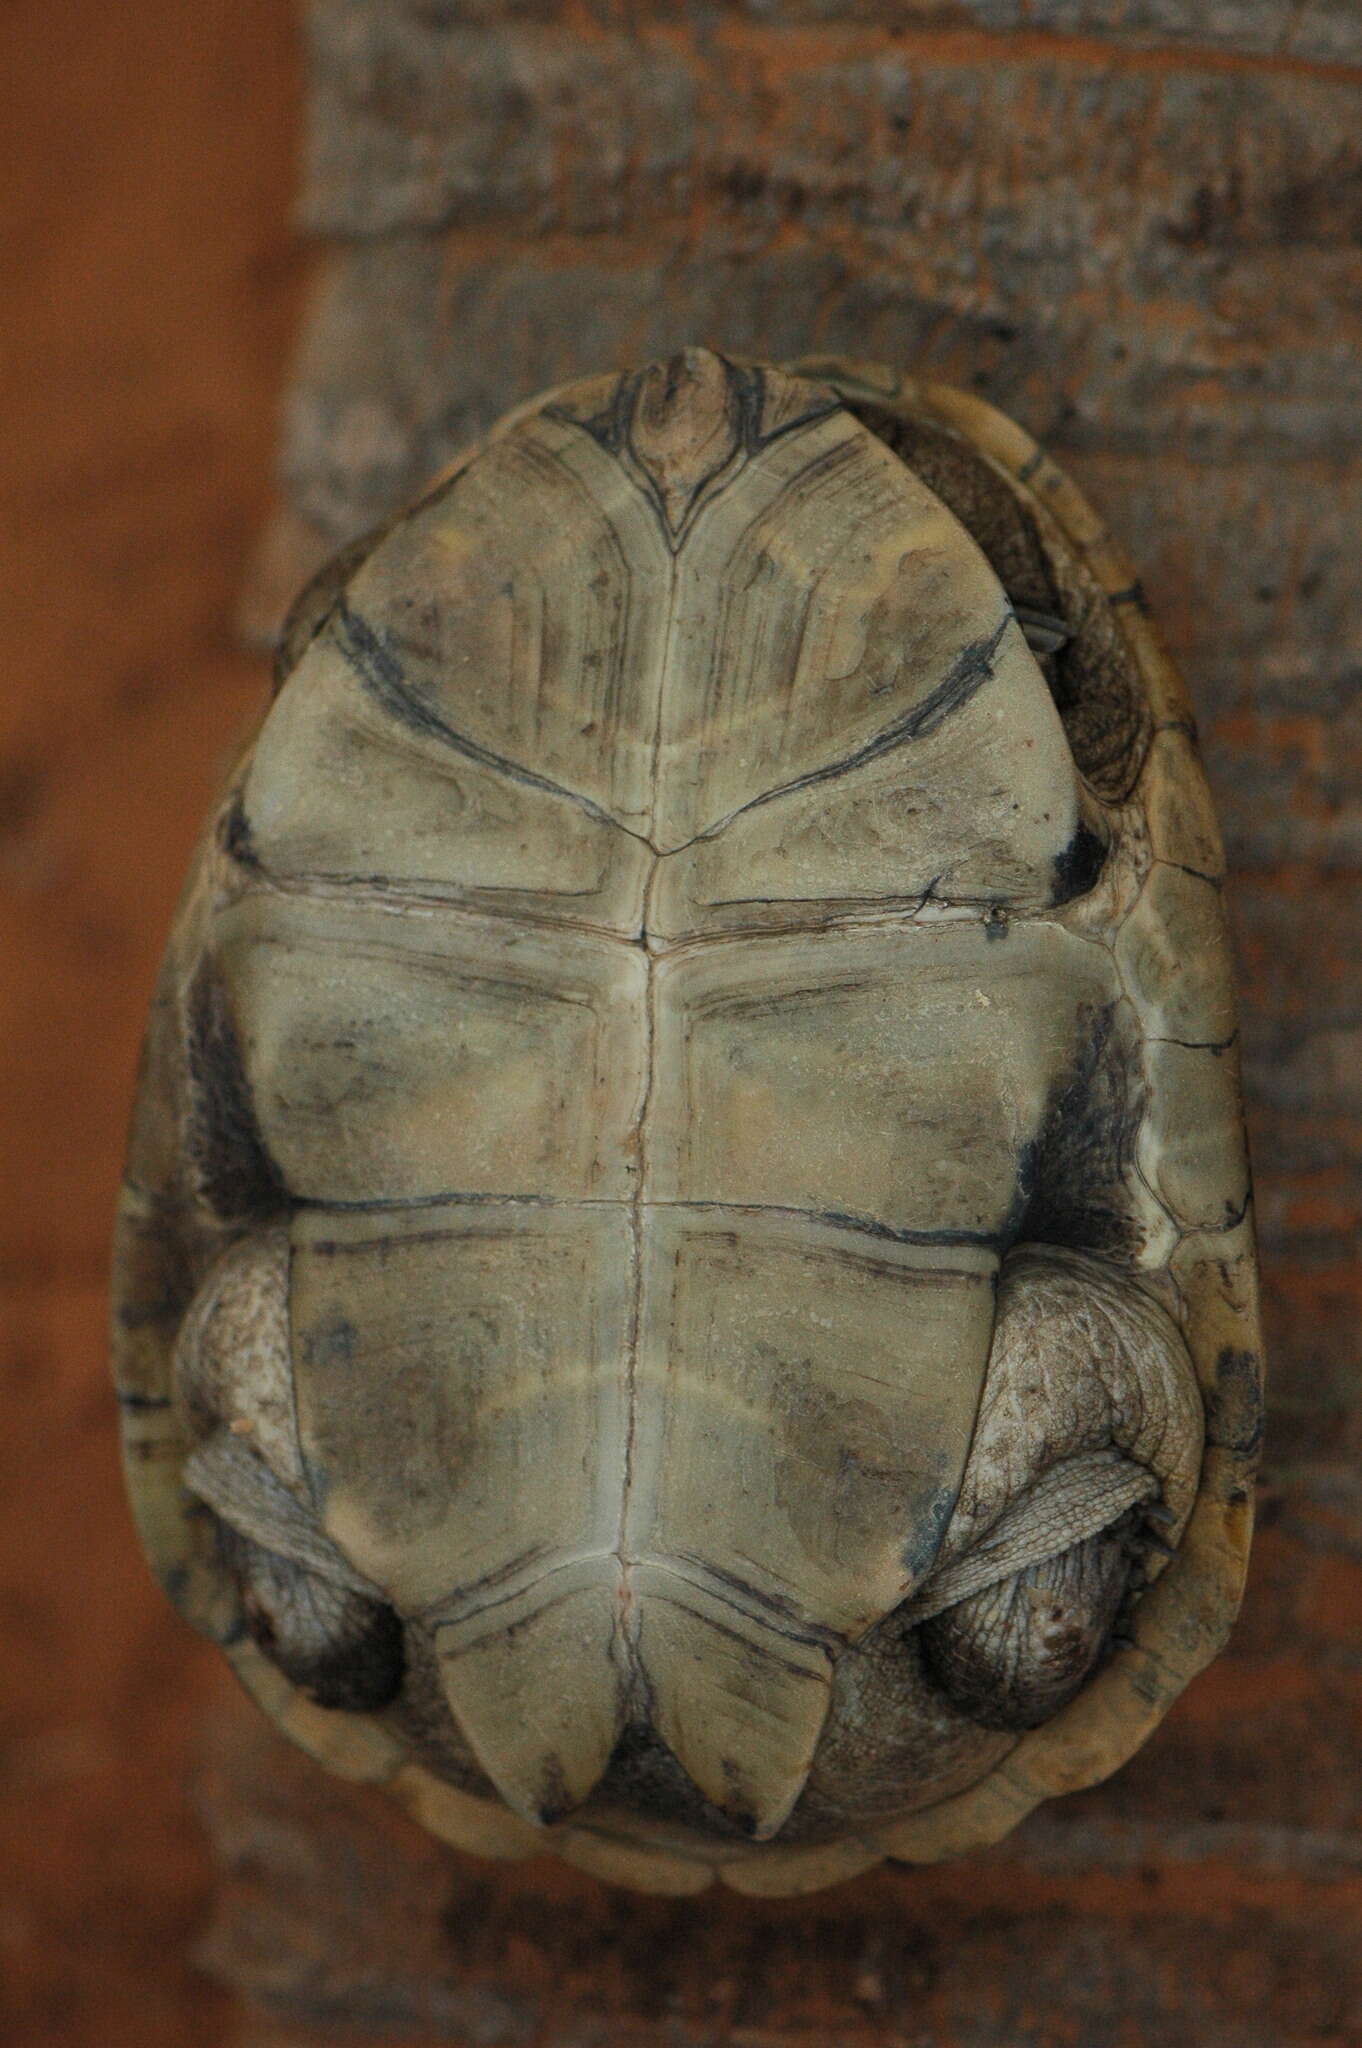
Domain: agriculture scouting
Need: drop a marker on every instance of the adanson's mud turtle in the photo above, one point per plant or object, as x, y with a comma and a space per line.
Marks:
685, 1276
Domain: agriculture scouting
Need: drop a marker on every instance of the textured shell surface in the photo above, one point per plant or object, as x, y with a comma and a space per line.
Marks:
685, 1289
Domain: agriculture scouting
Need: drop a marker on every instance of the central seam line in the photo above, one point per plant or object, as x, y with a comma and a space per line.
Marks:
629, 1619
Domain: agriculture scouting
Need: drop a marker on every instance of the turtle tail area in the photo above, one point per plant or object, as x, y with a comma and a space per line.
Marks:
739, 1701
559, 1686
538, 1683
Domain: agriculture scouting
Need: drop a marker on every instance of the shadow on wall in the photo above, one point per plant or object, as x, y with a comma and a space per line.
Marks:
151, 295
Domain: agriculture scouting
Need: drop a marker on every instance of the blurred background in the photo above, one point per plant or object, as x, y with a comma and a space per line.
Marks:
151, 290
1136, 225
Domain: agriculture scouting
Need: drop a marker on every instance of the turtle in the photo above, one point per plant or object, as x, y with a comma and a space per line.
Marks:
685, 1283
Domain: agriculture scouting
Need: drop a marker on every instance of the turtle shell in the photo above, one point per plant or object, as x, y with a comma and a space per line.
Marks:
685, 1287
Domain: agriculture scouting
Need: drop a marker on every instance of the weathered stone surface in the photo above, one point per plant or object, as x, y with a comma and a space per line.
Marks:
1297, 934
1091, 1925
1323, 31
1306, 32
420, 124
1303, 1042
419, 342
1165, 254
1134, 225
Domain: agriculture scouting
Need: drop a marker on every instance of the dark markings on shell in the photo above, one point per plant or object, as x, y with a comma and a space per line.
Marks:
317, 600
945, 1239
780, 1615
420, 1716
746, 387
381, 674
928, 1530
968, 673
1087, 1142
227, 1155
841, 1219
234, 835
1092, 676
1235, 1418
1077, 868
553, 1802
742, 1643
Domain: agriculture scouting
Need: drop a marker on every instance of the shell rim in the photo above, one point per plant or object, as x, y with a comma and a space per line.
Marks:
1180, 1623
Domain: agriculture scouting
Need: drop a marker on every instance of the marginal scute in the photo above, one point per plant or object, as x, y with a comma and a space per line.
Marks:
1170, 952
645, 1869
481, 1826
357, 1747
1181, 818
687, 1216
1191, 1149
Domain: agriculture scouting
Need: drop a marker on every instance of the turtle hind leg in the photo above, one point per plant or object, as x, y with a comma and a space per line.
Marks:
319, 1621
1011, 1655
342, 1648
